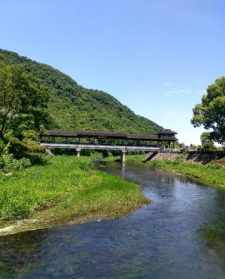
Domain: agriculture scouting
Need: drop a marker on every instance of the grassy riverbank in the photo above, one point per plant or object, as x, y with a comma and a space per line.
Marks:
210, 174
65, 188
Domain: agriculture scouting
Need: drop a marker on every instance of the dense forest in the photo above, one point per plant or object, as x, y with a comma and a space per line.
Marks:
71, 106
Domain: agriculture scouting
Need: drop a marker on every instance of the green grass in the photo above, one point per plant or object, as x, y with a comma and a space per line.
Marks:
210, 174
66, 187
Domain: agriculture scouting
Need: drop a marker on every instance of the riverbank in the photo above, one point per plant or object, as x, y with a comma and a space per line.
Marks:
66, 189
210, 174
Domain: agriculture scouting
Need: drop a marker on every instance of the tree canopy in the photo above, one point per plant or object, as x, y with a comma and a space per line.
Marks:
23, 102
211, 112
207, 142
74, 107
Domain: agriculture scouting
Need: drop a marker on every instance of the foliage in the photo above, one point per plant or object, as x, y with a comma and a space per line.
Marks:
16, 155
211, 112
23, 112
8, 163
207, 142
72, 106
22, 102
67, 186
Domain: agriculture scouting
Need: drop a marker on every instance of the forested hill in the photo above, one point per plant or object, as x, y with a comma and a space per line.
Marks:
72, 106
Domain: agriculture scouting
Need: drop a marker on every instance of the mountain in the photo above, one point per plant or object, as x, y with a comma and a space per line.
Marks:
74, 107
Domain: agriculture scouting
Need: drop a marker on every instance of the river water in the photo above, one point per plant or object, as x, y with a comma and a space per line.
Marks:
166, 239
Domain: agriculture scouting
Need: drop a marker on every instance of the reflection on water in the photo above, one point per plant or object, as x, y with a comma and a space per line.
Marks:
20, 252
161, 240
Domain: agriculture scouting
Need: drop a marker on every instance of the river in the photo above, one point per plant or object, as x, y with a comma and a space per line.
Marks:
164, 240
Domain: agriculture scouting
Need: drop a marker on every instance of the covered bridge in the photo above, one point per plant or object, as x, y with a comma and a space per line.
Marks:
164, 137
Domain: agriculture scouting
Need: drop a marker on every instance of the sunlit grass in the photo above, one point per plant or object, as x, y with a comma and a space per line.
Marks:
212, 175
66, 184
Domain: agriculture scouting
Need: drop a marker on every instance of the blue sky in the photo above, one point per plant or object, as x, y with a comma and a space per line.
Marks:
155, 56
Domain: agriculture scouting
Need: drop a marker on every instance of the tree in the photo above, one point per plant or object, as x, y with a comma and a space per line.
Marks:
206, 141
23, 102
211, 112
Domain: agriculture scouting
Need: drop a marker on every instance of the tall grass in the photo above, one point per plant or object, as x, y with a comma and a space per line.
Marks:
66, 184
212, 175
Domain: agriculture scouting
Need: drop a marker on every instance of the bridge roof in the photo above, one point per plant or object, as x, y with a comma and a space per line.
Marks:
109, 135
167, 132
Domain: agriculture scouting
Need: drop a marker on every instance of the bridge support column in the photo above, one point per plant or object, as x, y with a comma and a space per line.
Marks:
78, 150
123, 157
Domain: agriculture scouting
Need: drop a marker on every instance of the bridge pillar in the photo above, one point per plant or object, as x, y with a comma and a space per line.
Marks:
123, 157
78, 150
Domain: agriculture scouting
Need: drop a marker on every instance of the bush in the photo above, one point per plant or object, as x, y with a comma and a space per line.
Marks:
8, 163
24, 163
38, 159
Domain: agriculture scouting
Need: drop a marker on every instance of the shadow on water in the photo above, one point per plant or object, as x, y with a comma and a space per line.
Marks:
176, 236
20, 252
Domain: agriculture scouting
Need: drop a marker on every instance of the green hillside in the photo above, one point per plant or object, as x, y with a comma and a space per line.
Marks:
72, 106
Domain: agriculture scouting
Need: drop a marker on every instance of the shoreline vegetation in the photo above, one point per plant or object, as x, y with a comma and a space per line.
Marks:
64, 190
210, 174
68, 190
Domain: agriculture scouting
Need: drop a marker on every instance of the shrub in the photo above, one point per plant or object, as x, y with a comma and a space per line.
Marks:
38, 158
8, 163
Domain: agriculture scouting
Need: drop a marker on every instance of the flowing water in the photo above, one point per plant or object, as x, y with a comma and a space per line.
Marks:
167, 239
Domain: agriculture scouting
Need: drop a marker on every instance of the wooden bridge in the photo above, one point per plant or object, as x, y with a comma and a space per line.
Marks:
109, 141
